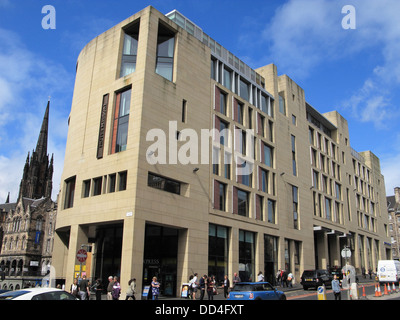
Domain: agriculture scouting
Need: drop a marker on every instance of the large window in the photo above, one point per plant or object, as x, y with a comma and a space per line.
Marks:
295, 197
218, 251
165, 52
121, 121
219, 195
69, 192
246, 255
242, 203
163, 183
129, 51
267, 155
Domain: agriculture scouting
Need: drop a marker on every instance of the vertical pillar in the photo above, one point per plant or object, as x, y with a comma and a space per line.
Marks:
78, 236
233, 253
132, 253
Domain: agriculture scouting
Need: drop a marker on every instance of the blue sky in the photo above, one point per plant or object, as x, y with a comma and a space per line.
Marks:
354, 71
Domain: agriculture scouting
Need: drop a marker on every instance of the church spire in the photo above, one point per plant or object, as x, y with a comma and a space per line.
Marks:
41, 146
37, 176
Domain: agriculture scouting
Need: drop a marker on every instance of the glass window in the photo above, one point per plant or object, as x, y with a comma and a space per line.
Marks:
271, 211
246, 255
86, 188
163, 183
243, 203
121, 121
295, 207
122, 180
129, 52
267, 155
218, 245
165, 52
111, 182
282, 107
97, 182
228, 79
69, 192
264, 180
244, 90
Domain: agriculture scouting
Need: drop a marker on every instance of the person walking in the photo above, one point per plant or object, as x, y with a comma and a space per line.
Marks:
155, 288
74, 289
110, 287
97, 288
194, 286
210, 288
226, 286
290, 280
84, 288
202, 286
260, 277
236, 278
116, 290
336, 288
130, 294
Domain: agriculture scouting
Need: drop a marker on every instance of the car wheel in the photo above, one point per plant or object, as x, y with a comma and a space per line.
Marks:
283, 297
305, 288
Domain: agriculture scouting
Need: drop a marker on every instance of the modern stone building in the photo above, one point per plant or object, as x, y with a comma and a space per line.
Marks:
151, 185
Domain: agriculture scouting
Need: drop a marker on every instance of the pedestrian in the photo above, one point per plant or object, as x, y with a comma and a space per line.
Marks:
110, 287
336, 288
215, 288
83, 286
236, 278
190, 296
283, 278
226, 286
290, 279
116, 290
278, 277
202, 286
97, 288
155, 288
130, 294
194, 286
74, 288
260, 277
210, 288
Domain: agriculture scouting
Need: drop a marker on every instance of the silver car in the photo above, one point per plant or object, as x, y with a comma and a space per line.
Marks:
37, 294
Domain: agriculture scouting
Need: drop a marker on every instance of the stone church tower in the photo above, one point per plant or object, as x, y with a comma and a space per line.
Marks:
37, 177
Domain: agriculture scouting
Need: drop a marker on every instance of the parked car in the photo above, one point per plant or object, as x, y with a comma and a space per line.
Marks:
255, 291
316, 278
37, 294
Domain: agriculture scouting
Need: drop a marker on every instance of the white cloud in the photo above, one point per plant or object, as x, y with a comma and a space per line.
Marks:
26, 81
305, 34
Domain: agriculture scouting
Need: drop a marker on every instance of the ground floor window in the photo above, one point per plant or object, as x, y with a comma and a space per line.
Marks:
218, 251
247, 255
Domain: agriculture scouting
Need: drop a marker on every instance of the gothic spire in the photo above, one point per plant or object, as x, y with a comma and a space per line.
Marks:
41, 146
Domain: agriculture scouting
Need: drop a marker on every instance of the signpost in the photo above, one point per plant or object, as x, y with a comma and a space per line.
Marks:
81, 256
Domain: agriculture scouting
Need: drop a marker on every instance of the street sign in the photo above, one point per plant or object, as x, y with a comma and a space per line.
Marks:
346, 253
81, 255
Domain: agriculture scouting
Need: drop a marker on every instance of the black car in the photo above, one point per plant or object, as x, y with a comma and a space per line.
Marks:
316, 278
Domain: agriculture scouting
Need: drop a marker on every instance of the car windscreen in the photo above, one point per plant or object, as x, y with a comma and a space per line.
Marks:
12, 294
309, 274
243, 287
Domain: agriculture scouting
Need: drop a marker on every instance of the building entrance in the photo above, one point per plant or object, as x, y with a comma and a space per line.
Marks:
160, 257
108, 252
